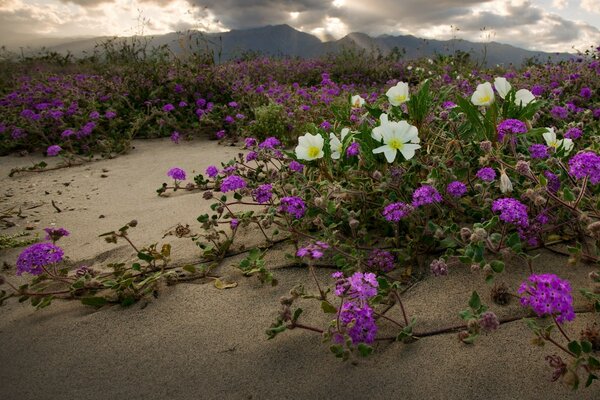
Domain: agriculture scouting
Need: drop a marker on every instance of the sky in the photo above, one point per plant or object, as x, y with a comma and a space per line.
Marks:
547, 25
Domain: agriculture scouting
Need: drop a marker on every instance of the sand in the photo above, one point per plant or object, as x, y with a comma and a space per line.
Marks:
197, 342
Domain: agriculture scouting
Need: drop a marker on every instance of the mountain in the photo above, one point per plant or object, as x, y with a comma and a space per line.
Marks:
285, 41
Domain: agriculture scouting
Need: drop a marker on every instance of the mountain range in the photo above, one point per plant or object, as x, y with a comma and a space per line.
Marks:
285, 41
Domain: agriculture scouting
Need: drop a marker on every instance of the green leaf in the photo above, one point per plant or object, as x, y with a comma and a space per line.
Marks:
593, 362
296, 314
497, 266
590, 379
364, 349
136, 266
275, 330
190, 268
586, 346
575, 347
328, 308
94, 301
568, 195
384, 284
475, 301
145, 257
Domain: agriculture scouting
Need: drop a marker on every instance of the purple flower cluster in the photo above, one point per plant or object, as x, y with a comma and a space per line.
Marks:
363, 286
396, 211
175, 137
176, 173
425, 195
486, 174
539, 151
380, 260
573, 133
270, 143
53, 150
559, 112
489, 321
586, 164
438, 267
37, 256
353, 150
55, 234
296, 166
263, 193
293, 205
212, 171
249, 142
314, 250
232, 183
359, 321
510, 126
511, 211
456, 189
553, 181
547, 294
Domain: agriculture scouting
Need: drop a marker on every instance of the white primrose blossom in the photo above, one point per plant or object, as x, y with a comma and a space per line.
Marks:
310, 147
396, 136
502, 86
357, 101
551, 141
398, 94
523, 97
483, 95
336, 145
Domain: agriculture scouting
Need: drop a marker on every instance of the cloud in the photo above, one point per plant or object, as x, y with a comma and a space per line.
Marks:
591, 6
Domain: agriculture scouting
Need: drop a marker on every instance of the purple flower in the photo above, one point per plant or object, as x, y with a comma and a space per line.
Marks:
425, 195
537, 90
293, 205
240, 116
573, 133
396, 211
585, 92
381, 260
326, 125
220, 134
559, 112
175, 137
234, 223
486, 174
200, 102
229, 119
176, 173
489, 322
547, 294
168, 107
363, 286
553, 182
510, 126
359, 321
251, 156
232, 104
35, 257
353, 150
538, 151
263, 193
448, 105
178, 88
212, 171
54, 234
53, 150
456, 189
313, 251
296, 166
249, 142
110, 114
66, 133
94, 115
585, 164
270, 143
182, 104
511, 211
231, 183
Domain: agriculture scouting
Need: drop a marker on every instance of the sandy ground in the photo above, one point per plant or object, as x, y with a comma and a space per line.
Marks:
197, 342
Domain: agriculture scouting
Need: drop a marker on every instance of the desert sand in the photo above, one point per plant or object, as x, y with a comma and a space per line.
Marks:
197, 342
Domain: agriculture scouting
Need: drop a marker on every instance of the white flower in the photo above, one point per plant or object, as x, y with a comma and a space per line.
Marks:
484, 95
550, 137
505, 183
523, 97
398, 94
336, 145
502, 86
357, 101
310, 147
377, 132
398, 136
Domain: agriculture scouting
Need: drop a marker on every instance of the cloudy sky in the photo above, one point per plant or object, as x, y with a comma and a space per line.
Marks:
550, 25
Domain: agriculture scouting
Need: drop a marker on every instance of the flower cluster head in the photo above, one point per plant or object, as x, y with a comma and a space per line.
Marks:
547, 294
293, 205
232, 183
397, 137
314, 250
363, 286
175, 137
270, 143
586, 164
310, 147
249, 142
37, 256
168, 107
380, 260
510, 127
489, 321
359, 322
263, 193
573, 133
511, 211
539, 151
353, 150
396, 211
425, 195
53, 150
296, 166
486, 174
456, 189
55, 234
553, 181
438, 267
176, 173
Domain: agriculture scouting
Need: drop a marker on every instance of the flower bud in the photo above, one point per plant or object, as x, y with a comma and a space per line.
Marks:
465, 234
475, 267
207, 195
462, 335
486, 146
473, 326
354, 223
319, 201
377, 175
523, 167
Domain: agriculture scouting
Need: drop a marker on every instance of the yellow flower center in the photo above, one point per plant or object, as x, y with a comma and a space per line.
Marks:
313, 151
553, 144
396, 144
400, 98
484, 99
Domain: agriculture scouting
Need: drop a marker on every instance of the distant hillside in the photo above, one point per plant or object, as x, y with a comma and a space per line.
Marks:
283, 40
